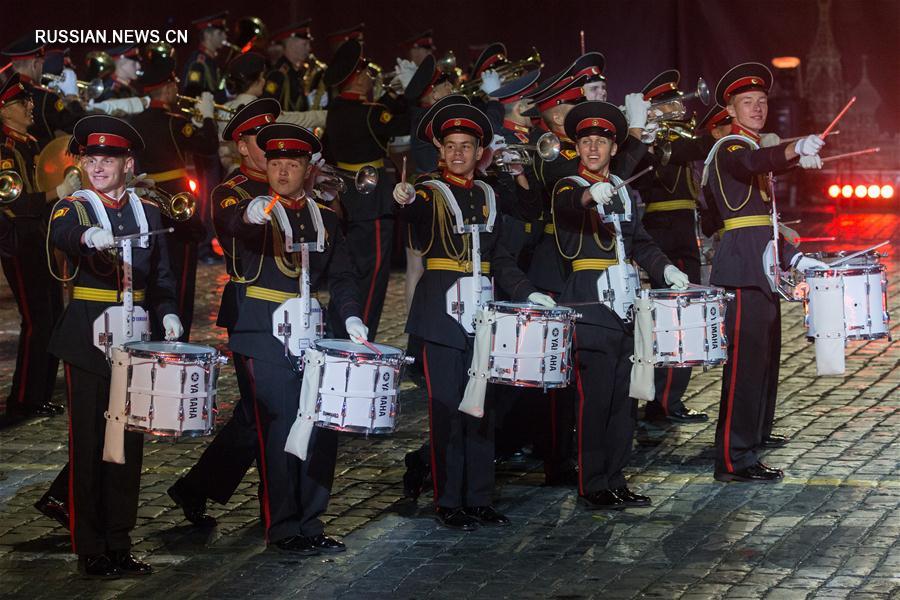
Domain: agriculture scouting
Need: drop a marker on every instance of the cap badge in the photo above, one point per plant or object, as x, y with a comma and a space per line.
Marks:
457, 122
102, 139
280, 145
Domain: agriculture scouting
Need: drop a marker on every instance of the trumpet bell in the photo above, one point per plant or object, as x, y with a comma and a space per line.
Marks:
99, 64
178, 207
548, 147
366, 180
10, 186
703, 91
94, 89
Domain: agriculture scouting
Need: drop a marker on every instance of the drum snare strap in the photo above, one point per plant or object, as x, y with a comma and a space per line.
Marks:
473, 398
828, 320
298, 438
642, 384
114, 437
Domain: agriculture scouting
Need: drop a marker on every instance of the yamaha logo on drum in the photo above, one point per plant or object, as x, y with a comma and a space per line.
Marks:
714, 333
194, 403
383, 403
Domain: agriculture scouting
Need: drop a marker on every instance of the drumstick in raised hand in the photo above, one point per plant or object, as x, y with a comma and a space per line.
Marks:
828, 129
634, 177
403, 171
134, 236
271, 203
849, 154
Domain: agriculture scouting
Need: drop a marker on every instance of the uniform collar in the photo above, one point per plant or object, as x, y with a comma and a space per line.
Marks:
736, 129
591, 177
457, 181
160, 104
253, 174
25, 79
111, 202
290, 203
19, 137
353, 96
513, 126
207, 51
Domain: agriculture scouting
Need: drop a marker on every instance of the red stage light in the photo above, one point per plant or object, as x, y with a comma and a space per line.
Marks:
874, 191
192, 183
887, 191
847, 191
834, 190
860, 191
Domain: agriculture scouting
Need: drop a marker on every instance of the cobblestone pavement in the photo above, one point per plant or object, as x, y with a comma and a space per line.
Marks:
830, 530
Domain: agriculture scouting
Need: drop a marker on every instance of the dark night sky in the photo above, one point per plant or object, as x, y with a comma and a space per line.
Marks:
638, 37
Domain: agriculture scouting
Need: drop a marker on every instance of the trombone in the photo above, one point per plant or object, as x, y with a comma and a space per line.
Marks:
331, 180
10, 186
547, 148
92, 89
194, 112
507, 71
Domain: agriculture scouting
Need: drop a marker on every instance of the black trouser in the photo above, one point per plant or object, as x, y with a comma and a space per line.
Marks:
231, 453
560, 427
183, 261
606, 414
461, 446
370, 244
103, 497
39, 300
750, 377
295, 492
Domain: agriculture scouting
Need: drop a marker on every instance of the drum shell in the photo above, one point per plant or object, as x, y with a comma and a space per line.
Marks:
865, 299
689, 327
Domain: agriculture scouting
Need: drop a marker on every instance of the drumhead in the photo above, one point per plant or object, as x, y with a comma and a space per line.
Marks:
180, 348
693, 292
844, 270
505, 307
334, 347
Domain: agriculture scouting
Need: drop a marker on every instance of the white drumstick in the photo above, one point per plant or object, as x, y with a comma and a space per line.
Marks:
855, 254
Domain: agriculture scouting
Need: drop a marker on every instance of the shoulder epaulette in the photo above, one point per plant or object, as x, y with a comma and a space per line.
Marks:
236, 180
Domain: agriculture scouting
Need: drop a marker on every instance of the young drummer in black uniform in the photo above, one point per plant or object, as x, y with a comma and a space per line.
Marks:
462, 446
356, 134
603, 341
232, 452
170, 138
38, 295
295, 493
738, 183
670, 193
103, 496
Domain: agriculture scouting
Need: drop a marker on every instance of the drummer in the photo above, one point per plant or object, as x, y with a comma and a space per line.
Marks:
103, 495
294, 493
603, 340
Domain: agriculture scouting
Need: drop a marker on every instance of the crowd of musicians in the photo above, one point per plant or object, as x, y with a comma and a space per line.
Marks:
269, 139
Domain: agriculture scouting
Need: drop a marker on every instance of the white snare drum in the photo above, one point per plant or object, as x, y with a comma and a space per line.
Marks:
689, 327
864, 286
171, 388
358, 387
531, 345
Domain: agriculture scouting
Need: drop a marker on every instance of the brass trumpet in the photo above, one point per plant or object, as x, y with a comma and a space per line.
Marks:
547, 148
10, 186
676, 110
332, 180
193, 112
92, 89
507, 71
178, 207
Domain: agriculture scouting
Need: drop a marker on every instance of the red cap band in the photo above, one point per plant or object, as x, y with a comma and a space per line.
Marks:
252, 123
716, 120
743, 82
595, 122
219, 22
490, 61
288, 144
660, 89
11, 93
461, 124
107, 139
520, 95
589, 71
299, 32
556, 100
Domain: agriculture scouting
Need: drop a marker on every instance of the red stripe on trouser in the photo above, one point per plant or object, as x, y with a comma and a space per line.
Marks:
666, 390
732, 383
434, 479
580, 389
262, 448
71, 460
26, 348
375, 273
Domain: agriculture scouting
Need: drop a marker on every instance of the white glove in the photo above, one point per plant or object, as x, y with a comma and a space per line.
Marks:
541, 300
676, 278
357, 330
636, 110
809, 145
98, 239
173, 327
790, 235
67, 86
70, 184
602, 192
767, 140
804, 263
128, 106
206, 106
490, 81
256, 212
512, 167
498, 142
810, 162
404, 193
405, 71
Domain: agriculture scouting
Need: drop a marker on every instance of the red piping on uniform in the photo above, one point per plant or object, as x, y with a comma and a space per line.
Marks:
262, 449
71, 460
434, 479
580, 417
26, 317
375, 273
734, 365
665, 396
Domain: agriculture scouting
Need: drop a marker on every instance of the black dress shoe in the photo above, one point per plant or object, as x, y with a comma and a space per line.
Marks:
325, 544
603, 500
687, 415
416, 473
54, 508
758, 473
128, 565
631, 499
487, 515
297, 544
456, 518
194, 508
774, 441
98, 566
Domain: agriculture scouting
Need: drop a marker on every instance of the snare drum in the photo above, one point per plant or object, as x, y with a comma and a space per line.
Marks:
531, 345
864, 286
171, 388
689, 327
358, 387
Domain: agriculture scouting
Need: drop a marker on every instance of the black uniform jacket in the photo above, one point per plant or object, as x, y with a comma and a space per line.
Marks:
52, 113
72, 339
17, 153
266, 265
201, 74
433, 222
285, 84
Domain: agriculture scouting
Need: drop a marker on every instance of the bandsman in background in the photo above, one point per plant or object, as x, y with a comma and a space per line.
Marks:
335, 39
121, 82
296, 79
356, 135
419, 46
171, 139
201, 71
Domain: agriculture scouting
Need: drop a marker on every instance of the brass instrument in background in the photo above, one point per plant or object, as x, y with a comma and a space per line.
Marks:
91, 90
53, 164
332, 180
507, 71
194, 113
313, 72
668, 132
154, 52
547, 147
10, 186
178, 207
676, 110
99, 64
249, 32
